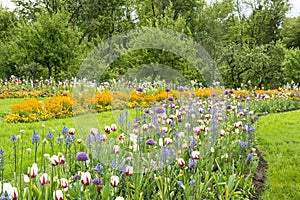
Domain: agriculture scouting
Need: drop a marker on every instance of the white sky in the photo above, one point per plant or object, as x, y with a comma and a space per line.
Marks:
295, 11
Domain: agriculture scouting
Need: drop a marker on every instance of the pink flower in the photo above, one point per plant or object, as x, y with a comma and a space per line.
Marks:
33, 170
86, 178
59, 195
44, 179
107, 129
113, 127
114, 181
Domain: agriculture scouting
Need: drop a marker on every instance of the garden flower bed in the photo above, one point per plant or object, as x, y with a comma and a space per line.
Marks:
174, 144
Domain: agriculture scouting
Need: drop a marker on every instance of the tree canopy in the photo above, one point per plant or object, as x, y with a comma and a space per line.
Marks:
248, 41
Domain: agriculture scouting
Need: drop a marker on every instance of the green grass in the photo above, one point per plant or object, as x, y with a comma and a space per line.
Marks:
82, 124
278, 138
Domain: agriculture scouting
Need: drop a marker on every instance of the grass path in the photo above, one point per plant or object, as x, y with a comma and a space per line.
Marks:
278, 138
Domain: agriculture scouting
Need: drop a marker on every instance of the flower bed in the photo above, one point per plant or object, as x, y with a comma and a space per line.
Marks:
62, 106
201, 148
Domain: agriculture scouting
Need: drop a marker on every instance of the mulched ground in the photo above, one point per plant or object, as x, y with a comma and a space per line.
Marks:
259, 177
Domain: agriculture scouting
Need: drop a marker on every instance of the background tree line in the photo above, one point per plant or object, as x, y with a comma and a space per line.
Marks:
249, 40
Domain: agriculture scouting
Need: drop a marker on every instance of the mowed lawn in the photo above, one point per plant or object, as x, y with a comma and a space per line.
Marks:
278, 138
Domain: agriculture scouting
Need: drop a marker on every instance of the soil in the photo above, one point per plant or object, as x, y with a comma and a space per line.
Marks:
259, 177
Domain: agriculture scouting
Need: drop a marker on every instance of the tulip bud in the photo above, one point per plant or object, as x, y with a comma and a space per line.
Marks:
54, 160
116, 149
59, 195
168, 141
181, 163
114, 181
195, 155
14, 193
107, 129
129, 171
113, 127
33, 170
86, 178
72, 131
44, 179
222, 133
64, 183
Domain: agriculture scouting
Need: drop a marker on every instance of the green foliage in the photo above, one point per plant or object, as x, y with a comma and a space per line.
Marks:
292, 65
52, 37
47, 47
291, 32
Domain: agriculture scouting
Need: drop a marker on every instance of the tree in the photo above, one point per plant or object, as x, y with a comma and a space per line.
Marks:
291, 32
48, 44
291, 65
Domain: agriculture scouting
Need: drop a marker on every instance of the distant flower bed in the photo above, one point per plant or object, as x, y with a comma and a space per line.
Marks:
20, 88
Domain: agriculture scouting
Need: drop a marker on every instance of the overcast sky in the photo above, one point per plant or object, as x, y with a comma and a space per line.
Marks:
294, 12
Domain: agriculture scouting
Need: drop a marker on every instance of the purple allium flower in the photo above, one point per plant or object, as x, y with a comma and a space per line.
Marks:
77, 177
167, 89
13, 138
140, 89
49, 135
82, 156
147, 111
249, 157
98, 168
171, 99
231, 91
64, 130
160, 110
192, 163
226, 92
181, 89
179, 183
97, 181
243, 144
150, 142
35, 137
192, 182
179, 120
